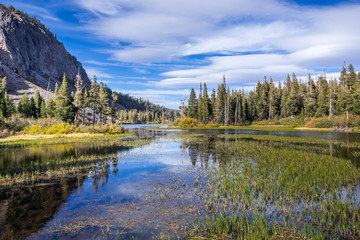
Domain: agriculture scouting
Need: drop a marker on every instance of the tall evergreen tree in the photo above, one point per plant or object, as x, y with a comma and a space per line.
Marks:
38, 101
212, 104
79, 97
205, 105
200, 115
43, 113
51, 108
65, 109
219, 113
94, 98
10, 106
103, 102
114, 108
273, 102
293, 101
56, 91
323, 98
192, 105
310, 103
24, 106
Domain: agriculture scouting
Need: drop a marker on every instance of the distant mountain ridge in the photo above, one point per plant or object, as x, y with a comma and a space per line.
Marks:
31, 56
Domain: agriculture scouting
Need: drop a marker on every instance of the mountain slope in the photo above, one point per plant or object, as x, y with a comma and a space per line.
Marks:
31, 56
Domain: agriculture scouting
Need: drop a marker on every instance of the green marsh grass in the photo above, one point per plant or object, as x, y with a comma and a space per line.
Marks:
266, 191
61, 139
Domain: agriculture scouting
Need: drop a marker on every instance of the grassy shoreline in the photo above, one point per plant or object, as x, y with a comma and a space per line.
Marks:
28, 139
255, 128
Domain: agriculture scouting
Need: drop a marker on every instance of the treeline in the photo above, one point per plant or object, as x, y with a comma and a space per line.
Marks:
97, 104
135, 116
84, 106
310, 98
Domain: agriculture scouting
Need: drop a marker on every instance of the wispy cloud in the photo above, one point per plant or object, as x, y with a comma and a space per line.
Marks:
33, 10
178, 44
98, 73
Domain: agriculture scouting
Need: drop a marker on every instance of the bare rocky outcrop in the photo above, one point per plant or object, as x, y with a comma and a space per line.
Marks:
32, 58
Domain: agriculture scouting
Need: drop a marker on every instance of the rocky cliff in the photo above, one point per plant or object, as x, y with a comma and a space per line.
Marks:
31, 56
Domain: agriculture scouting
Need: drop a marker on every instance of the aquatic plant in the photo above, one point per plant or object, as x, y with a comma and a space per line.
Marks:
271, 192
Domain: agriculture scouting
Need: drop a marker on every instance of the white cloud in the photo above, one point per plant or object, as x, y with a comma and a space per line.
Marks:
91, 72
243, 39
33, 10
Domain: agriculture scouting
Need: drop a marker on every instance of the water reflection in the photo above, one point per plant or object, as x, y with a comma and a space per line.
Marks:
38, 211
27, 210
29, 157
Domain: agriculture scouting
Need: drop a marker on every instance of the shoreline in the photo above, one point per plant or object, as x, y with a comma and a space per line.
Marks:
255, 128
25, 139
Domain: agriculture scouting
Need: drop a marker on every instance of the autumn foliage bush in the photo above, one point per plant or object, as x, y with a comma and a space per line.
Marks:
187, 123
334, 121
66, 128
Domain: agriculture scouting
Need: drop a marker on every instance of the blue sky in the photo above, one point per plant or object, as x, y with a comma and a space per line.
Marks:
159, 49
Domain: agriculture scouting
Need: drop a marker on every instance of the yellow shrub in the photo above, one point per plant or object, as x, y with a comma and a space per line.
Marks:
188, 123
114, 129
34, 129
61, 128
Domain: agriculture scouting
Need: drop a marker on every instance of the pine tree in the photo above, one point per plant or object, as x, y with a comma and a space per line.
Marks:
356, 97
293, 101
205, 105
50, 108
263, 106
343, 77
85, 105
302, 97
219, 113
272, 100
79, 98
94, 98
323, 97
103, 102
114, 108
65, 109
10, 106
310, 103
38, 101
24, 106
56, 91
192, 105
212, 104
351, 78
332, 96
33, 113
284, 97
200, 116
43, 113
244, 109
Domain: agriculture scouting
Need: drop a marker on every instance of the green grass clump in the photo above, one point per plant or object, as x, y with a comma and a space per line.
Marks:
279, 193
63, 139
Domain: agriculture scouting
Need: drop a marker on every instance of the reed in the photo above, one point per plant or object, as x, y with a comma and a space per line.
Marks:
265, 191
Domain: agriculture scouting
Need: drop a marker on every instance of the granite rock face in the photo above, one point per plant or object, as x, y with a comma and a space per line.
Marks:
32, 58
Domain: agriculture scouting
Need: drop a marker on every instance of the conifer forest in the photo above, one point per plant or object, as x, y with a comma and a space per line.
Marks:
292, 98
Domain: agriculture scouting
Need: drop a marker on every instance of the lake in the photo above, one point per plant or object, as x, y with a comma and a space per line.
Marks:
160, 186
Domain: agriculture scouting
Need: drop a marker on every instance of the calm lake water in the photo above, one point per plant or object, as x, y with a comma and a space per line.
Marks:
135, 196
